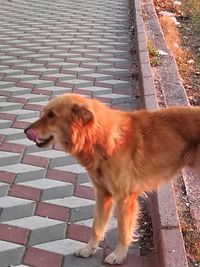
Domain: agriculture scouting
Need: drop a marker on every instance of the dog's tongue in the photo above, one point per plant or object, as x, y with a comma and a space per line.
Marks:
32, 135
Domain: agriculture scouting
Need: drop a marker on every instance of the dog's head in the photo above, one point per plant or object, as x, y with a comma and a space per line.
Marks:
58, 120
80, 124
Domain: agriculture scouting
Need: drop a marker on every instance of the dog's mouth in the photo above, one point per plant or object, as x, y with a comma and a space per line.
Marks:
39, 141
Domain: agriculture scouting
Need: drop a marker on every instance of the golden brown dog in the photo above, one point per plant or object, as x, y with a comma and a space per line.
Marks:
125, 153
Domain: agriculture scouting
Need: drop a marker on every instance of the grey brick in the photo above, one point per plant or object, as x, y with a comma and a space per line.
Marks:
12, 133
24, 172
80, 208
9, 106
96, 76
3, 98
93, 90
34, 97
116, 98
68, 247
64, 65
42, 229
51, 189
29, 65
56, 90
60, 161
97, 65
44, 71
10, 253
76, 168
50, 154
14, 208
60, 76
79, 70
38, 83
11, 72
77, 83
83, 178
115, 84
23, 113
5, 123
25, 77
7, 158
63, 247
18, 90
4, 189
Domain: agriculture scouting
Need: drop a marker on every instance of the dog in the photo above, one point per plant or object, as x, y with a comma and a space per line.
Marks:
125, 154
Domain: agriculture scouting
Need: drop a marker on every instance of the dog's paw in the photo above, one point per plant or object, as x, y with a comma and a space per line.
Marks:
85, 252
116, 257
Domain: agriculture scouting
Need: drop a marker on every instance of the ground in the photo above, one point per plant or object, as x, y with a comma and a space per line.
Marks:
186, 36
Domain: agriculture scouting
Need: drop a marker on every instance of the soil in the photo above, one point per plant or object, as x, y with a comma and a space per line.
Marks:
191, 43
189, 64
145, 230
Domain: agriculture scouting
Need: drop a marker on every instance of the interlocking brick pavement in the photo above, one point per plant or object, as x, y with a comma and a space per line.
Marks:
48, 48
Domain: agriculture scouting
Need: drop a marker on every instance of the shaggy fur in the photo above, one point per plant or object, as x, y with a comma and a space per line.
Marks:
125, 153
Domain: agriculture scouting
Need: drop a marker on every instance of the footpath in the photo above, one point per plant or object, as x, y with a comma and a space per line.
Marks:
48, 48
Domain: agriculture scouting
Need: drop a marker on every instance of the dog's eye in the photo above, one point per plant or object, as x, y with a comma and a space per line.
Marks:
51, 114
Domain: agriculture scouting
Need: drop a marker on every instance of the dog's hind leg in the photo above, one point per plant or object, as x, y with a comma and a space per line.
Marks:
103, 209
127, 217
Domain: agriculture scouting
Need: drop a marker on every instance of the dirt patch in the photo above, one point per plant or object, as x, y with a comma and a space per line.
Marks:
145, 230
183, 39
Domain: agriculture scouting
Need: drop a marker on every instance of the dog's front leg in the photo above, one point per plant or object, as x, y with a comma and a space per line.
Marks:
103, 209
127, 216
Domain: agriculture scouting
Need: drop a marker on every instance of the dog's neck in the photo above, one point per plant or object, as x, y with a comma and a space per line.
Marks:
100, 139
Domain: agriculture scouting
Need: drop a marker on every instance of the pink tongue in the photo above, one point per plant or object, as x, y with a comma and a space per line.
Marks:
32, 135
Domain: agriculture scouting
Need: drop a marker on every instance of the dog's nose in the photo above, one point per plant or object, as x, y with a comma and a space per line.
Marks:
25, 130
31, 134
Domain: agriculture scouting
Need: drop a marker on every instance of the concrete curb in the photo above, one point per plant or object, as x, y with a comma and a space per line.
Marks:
146, 82
168, 240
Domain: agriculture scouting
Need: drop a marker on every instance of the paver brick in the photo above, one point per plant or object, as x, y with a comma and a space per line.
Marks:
4, 189
5, 123
24, 172
76, 83
52, 211
76, 168
60, 161
23, 113
3, 98
51, 189
34, 97
7, 158
41, 229
5, 106
13, 234
93, 90
25, 77
13, 208
35, 83
96, 77
11, 72
18, 90
80, 208
4, 85
10, 253
11, 133
67, 248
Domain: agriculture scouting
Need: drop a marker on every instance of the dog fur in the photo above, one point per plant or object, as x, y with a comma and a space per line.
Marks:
125, 154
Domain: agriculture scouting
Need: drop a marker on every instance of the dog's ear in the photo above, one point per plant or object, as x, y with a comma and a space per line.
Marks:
82, 113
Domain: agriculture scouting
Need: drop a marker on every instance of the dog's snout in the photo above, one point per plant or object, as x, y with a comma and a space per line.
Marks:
25, 130
31, 134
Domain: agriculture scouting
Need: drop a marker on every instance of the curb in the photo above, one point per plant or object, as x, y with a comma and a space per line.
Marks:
168, 240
